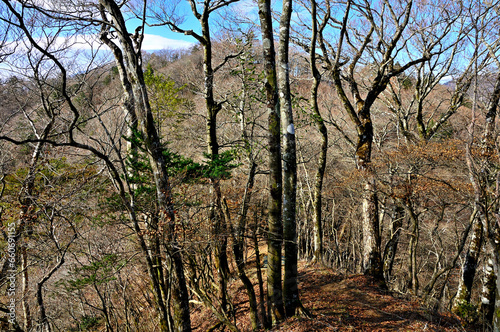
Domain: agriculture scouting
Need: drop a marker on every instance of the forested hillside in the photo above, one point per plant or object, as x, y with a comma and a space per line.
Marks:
243, 182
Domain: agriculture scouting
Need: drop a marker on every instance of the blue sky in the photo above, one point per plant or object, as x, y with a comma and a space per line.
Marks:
159, 37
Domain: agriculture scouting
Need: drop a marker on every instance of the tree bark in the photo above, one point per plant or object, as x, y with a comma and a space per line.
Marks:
275, 226
25, 289
488, 296
290, 286
392, 244
320, 172
372, 261
412, 248
469, 267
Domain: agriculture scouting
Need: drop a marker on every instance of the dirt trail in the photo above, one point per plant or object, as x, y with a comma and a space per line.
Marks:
355, 303
358, 304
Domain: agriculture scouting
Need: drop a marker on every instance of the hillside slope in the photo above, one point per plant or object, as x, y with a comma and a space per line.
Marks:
354, 303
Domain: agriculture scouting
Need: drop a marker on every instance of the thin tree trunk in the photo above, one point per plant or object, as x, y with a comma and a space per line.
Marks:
392, 244
126, 58
105, 309
318, 186
275, 226
213, 108
238, 244
412, 249
25, 289
27, 205
239, 248
239, 235
290, 286
489, 306
43, 320
262, 307
439, 270
496, 312
180, 296
469, 266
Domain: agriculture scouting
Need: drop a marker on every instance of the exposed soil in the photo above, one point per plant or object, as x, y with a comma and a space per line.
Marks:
355, 303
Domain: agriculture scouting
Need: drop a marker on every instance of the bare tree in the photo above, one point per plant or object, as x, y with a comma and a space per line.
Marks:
317, 29
376, 48
127, 51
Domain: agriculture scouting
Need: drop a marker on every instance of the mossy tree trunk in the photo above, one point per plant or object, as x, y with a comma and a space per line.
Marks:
290, 286
274, 221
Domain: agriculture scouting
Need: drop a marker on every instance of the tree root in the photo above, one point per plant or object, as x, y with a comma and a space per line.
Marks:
303, 312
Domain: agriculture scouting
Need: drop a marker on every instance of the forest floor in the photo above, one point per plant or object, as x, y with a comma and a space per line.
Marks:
338, 303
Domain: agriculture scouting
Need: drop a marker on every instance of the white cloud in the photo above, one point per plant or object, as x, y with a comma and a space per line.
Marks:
446, 79
77, 50
150, 43
156, 42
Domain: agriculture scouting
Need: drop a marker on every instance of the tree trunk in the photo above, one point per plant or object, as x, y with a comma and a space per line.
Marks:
469, 267
43, 320
318, 186
238, 247
488, 297
412, 249
275, 226
216, 220
496, 312
25, 288
372, 262
290, 287
392, 244
181, 316
213, 108
481, 180
260, 280
27, 207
